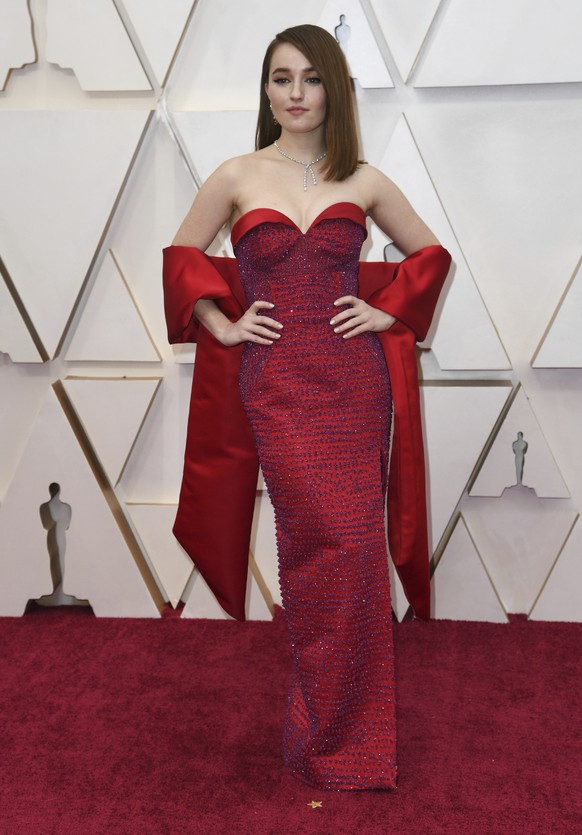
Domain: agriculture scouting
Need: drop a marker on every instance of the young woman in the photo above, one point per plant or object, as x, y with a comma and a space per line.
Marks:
316, 392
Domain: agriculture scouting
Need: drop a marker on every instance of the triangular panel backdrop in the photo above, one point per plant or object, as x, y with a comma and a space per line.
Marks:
110, 122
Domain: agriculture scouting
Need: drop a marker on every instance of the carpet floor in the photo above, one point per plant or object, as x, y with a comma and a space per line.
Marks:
160, 727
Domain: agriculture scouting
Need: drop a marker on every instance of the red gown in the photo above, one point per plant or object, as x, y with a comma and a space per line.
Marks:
320, 408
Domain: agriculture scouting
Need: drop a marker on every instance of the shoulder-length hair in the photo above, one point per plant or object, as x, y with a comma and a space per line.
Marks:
324, 54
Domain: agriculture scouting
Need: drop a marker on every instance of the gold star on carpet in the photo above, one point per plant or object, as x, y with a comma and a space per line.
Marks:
316, 804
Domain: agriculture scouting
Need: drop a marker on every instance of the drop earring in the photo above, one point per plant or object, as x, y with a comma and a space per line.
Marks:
275, 122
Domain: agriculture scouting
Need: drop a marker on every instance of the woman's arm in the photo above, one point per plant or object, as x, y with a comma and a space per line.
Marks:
211, 209
393, 214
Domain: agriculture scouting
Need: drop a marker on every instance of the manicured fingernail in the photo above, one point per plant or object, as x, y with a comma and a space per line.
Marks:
335, 330
332, 321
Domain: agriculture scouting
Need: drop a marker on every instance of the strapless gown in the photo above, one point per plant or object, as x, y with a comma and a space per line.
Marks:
320, 409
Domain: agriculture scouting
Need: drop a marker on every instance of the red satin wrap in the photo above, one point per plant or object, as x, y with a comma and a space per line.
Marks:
215, 511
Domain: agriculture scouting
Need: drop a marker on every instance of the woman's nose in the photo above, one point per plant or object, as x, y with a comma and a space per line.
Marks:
297, 90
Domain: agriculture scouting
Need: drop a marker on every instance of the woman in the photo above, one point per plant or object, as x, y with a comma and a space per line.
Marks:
315, 388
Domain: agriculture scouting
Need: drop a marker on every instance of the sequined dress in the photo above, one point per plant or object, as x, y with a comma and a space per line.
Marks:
320, 409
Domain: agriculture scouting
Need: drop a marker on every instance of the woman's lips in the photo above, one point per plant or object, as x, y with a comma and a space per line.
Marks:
297, 110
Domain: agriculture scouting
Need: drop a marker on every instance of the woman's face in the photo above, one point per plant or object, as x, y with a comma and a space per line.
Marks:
295, 90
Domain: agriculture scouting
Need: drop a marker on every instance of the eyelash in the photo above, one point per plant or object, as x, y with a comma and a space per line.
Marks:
314, 79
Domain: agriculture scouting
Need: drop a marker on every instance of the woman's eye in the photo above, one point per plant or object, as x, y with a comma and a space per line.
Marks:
314, 79
280, 80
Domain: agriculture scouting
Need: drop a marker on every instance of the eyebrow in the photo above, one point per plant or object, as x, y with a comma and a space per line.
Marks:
286, 69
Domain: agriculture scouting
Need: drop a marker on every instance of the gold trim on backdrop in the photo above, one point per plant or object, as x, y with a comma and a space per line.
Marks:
115, 506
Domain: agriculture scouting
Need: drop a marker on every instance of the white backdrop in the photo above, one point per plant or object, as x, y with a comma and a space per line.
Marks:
111, 114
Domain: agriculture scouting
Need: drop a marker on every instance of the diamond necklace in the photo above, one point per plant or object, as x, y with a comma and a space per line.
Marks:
307, 165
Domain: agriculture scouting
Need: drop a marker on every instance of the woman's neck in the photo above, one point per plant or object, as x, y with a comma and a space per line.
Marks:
303, 146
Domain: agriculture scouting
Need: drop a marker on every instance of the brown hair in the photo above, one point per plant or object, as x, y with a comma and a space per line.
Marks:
324, 54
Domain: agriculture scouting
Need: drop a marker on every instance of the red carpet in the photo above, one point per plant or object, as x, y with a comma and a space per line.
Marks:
174, 726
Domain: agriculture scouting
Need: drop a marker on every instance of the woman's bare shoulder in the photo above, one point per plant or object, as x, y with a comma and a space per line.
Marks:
217, 200
372, 179
239, 165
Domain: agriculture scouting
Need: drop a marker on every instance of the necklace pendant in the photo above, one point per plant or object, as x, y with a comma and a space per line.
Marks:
307, 165
309, 168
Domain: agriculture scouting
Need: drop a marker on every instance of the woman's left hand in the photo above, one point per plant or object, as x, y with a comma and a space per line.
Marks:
359, 317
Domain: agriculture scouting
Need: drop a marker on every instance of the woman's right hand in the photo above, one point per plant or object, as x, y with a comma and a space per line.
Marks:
251, 327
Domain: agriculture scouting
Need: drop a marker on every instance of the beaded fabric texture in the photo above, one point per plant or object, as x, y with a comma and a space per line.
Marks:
320, 409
